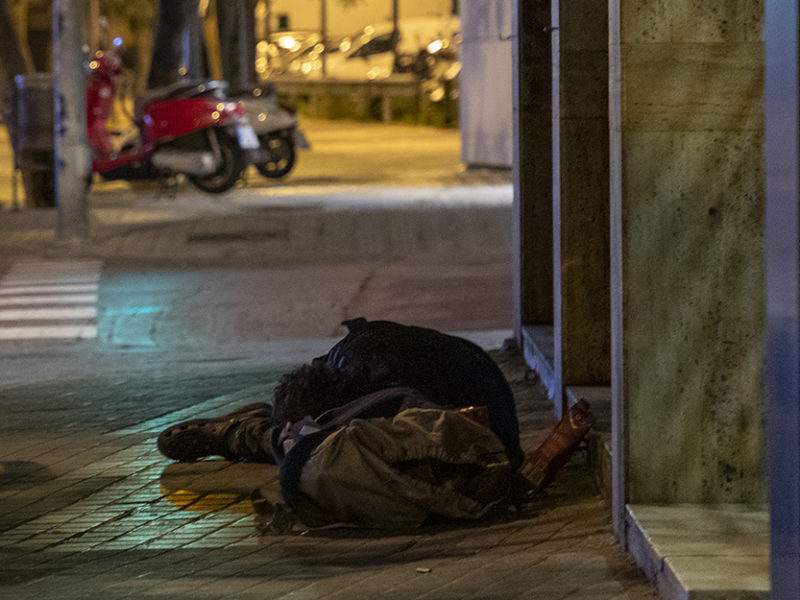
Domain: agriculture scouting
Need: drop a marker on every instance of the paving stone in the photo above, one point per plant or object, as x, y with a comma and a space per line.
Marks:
94, 510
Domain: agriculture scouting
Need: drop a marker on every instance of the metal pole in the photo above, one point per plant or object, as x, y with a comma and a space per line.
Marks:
14, 188
94, 25
395, 31
782, 246
243, 39
246, 24
71, 157
323, 30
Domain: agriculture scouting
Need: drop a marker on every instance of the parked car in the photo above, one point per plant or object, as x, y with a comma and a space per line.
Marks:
274, 54
370, 53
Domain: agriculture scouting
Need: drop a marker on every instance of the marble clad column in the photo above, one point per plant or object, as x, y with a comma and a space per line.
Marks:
580, 196
533, 206
687, 203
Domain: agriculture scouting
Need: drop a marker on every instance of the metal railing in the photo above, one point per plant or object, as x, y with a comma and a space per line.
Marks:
401, 97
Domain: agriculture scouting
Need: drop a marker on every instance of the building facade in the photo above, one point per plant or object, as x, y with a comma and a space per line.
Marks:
656, 262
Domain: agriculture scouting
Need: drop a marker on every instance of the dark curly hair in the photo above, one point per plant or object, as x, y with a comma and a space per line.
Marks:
310, 390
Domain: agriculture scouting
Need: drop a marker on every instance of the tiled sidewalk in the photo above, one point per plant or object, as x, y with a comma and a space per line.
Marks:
104, 515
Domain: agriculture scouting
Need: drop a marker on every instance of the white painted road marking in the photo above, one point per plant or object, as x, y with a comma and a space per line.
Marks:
40, 314
67, 288
28, 299
74, 332
49, 300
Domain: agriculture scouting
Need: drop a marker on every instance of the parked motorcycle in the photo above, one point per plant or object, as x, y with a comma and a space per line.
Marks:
276, 127
188, 127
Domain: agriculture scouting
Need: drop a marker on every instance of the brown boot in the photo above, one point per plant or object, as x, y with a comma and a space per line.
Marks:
541, 466
235, 436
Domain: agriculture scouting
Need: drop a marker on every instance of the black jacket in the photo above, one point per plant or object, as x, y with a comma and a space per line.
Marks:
448, 370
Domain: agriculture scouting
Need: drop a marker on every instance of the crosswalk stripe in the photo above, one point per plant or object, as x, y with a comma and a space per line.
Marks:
12, 290
49, 332
49, 299
86, 298
52, 279
41, 314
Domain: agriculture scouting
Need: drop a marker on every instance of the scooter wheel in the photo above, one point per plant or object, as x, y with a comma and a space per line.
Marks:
282, 155
230, 170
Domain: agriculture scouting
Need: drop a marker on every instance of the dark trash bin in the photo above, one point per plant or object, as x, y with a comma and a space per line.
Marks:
35, 145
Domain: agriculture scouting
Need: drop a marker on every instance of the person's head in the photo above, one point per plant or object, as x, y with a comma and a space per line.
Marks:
309, 390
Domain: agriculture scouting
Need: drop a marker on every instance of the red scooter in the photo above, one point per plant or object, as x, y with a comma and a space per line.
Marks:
188, 128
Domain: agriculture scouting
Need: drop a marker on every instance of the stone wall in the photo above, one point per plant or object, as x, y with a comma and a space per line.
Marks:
687, 203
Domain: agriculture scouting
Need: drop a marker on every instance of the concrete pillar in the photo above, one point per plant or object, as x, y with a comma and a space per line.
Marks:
580, 197
687, 214
533, 205
485, 113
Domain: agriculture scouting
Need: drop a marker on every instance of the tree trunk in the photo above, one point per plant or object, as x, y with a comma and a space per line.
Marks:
236, 25
144, 51
12, 62
19, 19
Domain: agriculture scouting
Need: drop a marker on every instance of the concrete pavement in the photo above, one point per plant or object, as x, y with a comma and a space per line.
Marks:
269, 225
90, 509
363, 190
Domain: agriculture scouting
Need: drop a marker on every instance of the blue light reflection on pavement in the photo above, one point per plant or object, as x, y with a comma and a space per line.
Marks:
133, 310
